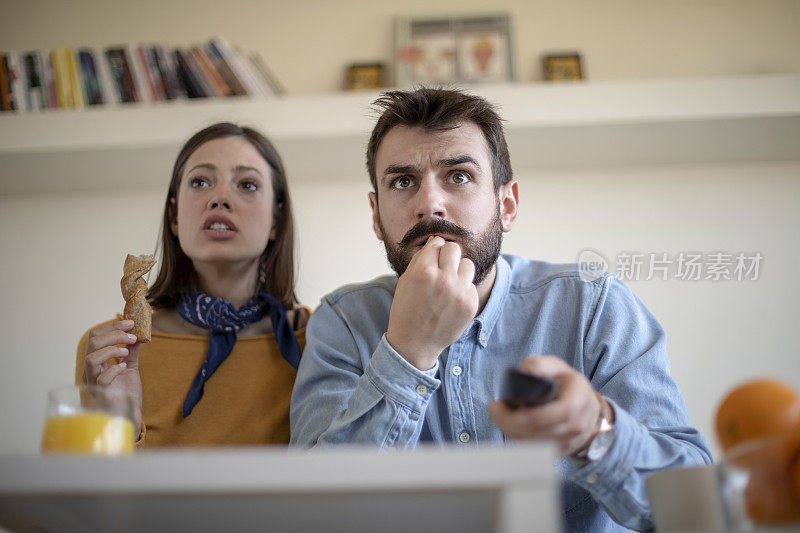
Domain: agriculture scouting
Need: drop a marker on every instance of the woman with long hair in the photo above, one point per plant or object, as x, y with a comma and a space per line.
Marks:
226, 332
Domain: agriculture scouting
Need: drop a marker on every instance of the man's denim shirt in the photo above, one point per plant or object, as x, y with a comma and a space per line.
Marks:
353, 387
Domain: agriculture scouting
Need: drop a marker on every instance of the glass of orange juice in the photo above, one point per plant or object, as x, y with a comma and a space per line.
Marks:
763, 481
88, 419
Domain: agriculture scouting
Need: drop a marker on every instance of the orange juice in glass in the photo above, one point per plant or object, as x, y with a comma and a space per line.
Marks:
88, 419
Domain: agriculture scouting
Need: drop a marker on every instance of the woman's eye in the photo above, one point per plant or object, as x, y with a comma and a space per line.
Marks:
197, 183
459, 176
403, 182
248, 186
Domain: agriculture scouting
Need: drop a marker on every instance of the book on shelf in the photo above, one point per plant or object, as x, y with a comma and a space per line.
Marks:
58, 58
5, 85
16, 79
217, 82
143, 93
26, 81
187, 76
49, 79
224, 69
146, 73
241, 68
266, 73
121, 74
93, 92
167, 65
74, 79
156, 75
36, 90
208, 88
140, 57
104, 77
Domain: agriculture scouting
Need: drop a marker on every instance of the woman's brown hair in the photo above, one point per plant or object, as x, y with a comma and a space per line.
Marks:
276, 267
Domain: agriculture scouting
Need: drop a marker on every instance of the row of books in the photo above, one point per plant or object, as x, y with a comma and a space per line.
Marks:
77, 78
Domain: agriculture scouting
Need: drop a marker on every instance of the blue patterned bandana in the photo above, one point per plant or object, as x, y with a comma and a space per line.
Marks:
224, 322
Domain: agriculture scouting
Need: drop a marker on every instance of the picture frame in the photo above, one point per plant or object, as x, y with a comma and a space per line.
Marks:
360, 76
440, 50
557, 67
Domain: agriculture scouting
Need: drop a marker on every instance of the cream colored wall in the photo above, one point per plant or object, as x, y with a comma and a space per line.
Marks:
309, 42
60, 266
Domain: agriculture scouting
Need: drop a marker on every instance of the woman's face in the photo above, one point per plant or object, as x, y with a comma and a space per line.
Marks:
224, 205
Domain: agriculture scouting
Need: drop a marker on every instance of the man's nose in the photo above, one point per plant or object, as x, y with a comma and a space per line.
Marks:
430, 200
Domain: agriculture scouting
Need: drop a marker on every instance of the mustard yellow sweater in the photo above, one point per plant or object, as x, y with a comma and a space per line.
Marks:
246, 401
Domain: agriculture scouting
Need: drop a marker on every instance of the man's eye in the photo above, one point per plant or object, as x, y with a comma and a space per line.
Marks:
459, 176
248, 186
197, 183
403, 182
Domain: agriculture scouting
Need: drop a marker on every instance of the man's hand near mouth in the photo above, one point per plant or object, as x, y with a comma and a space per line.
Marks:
434, 302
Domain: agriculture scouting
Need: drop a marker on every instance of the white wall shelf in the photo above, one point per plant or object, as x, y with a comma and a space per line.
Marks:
323, 137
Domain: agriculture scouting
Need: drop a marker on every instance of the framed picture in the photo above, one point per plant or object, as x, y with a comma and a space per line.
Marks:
446, 49
365, 76
562, 67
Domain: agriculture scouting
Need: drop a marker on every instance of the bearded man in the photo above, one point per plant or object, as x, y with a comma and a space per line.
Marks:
421, 356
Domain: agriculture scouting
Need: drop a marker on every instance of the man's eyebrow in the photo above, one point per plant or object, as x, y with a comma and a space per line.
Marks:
449, 162
458, 160
401, 169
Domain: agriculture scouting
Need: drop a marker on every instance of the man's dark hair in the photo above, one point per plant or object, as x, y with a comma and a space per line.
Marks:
440, 110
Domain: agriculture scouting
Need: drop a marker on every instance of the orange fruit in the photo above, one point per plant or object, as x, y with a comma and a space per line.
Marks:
756, 409
794, 478
770, 495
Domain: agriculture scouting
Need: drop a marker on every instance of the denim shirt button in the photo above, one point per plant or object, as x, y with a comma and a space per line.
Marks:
464, 437
456, 370
421, 390
592, 478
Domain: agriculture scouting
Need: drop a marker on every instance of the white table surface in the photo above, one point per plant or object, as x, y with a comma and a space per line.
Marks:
272, 489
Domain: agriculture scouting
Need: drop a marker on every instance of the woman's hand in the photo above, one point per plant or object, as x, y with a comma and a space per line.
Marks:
97, 370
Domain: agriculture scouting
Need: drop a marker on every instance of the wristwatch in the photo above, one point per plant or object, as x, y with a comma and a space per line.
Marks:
599, 445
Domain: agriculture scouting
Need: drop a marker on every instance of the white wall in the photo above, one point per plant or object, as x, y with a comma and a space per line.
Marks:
62, 260
62, 254
308, 43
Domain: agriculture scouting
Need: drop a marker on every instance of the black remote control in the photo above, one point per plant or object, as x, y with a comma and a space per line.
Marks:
525, 390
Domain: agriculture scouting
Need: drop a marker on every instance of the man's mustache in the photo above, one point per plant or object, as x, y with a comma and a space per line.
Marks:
424, 228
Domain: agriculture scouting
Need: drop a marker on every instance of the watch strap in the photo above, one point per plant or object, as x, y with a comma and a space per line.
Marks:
605, 423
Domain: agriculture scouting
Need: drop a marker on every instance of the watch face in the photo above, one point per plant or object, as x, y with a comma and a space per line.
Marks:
600, 445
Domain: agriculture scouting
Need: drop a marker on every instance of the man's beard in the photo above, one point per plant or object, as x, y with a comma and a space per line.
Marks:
483, 250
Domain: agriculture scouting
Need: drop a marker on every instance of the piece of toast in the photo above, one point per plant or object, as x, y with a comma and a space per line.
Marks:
134, 290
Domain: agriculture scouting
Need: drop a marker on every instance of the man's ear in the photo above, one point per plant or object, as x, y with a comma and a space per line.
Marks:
173, 216
376, 227
508, 196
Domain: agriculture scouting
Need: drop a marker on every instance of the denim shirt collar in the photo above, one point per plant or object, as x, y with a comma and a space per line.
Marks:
487, 319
